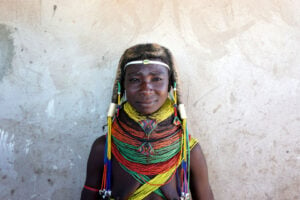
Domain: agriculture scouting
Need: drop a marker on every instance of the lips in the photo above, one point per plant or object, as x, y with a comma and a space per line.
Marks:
146, 103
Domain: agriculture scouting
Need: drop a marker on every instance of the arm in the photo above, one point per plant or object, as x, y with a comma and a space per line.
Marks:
199, 183
94, 170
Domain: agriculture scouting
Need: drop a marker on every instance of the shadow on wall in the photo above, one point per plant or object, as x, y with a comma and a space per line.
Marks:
6, 51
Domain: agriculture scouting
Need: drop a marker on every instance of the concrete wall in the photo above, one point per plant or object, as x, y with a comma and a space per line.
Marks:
240, 67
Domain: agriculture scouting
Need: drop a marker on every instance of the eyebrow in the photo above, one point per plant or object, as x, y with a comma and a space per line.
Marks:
152, 73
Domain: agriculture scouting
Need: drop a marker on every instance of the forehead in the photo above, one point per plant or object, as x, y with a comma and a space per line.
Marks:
141, 69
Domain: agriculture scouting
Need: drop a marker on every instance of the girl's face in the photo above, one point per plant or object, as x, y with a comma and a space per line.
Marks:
146, 87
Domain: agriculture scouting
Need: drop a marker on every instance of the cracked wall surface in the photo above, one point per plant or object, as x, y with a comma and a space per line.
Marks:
240, 69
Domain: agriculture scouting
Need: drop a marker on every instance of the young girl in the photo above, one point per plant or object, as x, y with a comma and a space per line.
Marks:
147, 152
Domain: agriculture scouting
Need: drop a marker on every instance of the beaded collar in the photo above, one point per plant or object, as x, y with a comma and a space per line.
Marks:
149, 122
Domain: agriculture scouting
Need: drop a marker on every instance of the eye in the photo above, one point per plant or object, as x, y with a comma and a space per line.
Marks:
134, 80
157, 79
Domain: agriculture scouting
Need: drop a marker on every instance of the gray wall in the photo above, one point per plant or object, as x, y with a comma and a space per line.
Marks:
240, 68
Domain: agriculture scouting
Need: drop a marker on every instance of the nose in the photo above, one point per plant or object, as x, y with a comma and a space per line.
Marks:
146, 87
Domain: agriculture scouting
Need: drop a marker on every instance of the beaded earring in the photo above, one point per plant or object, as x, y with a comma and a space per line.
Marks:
176, 120
119, 99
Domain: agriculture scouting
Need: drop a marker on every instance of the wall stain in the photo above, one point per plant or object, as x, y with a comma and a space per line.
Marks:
195, 104
217, 108
7, 51
54, 10
38, 171
50, 181
232, 98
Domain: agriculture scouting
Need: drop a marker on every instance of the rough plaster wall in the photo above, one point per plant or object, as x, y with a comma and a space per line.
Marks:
240, 68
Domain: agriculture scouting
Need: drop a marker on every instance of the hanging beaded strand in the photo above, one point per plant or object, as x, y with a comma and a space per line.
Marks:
105, 190
186, 151
176, 120
119, 99
185, 165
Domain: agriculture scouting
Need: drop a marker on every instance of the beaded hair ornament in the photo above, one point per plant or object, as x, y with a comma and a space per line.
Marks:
147, 54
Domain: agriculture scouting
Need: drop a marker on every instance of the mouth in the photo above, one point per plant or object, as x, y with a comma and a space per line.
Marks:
146, 103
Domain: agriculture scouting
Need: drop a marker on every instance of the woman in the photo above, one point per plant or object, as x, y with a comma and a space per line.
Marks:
147, 152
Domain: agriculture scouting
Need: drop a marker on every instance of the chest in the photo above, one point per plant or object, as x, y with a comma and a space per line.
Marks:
124, 185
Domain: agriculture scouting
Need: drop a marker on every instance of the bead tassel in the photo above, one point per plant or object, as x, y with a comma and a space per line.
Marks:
185, 163
176, 120
105, 190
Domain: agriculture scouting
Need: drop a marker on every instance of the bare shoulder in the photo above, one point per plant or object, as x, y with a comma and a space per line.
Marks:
197, 155
96, 157
99, 145
200, 186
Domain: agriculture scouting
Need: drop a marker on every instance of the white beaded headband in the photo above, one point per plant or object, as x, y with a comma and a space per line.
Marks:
146, 62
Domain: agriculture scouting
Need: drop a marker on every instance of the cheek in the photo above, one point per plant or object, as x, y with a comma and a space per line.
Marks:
164, 90
166, 86
130, 90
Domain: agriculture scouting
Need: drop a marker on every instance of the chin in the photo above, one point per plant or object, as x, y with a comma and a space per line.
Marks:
147, 111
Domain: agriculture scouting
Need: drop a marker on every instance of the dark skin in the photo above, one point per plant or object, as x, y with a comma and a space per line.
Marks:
146, 89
